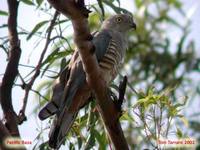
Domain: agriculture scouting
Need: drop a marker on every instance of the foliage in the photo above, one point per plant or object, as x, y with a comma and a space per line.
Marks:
153, 59
156, 112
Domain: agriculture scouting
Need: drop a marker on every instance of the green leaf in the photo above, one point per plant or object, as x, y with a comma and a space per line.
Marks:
52, 58
172, 21
36, 28
185, 121
80, 142
101, 140
3, 13
127, 117
180, 45
28, 2
195, 125
71, 146
39, 2
91, 118
184, 100
61, 22
115, 8
44, 146
101, 7
179, 134
172, 111
90, 142
176, 3
138, 3
82, 120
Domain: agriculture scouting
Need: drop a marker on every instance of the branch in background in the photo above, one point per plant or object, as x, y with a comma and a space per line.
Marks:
10, 74
79, 14
122, 90
28, 87
119, 101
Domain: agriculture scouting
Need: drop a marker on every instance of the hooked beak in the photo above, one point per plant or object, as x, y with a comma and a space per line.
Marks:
133, 25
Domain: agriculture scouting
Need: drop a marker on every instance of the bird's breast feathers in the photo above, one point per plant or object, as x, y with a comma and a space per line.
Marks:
111, 61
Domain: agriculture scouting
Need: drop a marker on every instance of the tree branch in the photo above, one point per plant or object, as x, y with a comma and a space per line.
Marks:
28, 86
11, 70
82, 37
4, 134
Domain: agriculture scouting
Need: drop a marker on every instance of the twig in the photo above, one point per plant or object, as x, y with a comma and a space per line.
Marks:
155, 122
38, 93
160, 123
148, 137
37, 70
4, 49
33, 67
169, 119
63, 38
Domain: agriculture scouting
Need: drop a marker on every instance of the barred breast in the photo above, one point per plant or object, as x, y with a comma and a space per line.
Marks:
111, 61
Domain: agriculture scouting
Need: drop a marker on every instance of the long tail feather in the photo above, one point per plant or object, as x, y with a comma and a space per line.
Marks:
50, 109
60, 129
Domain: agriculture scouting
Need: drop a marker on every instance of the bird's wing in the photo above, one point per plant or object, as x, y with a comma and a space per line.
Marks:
101, 42
64, 119
52, 106
56, 100
75, 77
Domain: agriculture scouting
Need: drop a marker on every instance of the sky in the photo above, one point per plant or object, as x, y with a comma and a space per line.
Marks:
27, 18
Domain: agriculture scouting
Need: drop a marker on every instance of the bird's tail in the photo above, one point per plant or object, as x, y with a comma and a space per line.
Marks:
64, 118
52, 106
49, 110
60, 127
56, 100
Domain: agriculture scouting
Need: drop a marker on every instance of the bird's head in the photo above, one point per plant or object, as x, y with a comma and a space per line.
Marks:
120, 23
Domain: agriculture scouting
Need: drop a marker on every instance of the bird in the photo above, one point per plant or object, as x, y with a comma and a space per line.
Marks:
72, 92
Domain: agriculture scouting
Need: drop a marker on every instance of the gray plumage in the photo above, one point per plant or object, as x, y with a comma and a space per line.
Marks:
72, 91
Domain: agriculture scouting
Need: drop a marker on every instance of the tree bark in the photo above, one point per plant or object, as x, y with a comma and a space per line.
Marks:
10, 128
4, 134
82, 37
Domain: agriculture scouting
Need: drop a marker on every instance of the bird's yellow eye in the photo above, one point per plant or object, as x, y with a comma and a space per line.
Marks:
119, 19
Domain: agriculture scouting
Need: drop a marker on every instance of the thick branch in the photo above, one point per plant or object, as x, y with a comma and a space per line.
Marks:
4, 134
83, 39
11, 70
